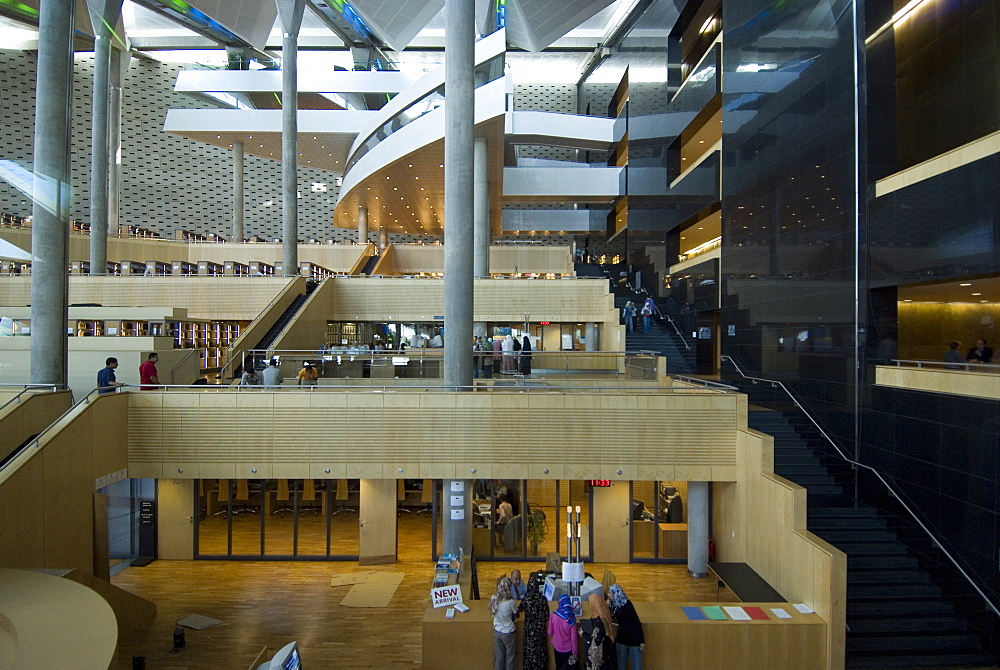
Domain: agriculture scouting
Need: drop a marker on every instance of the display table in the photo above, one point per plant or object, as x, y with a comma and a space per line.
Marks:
672, 641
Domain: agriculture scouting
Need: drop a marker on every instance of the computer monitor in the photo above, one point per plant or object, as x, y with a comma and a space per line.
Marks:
638, 507
287, 658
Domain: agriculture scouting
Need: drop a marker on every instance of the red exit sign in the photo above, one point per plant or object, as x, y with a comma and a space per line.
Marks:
600, 482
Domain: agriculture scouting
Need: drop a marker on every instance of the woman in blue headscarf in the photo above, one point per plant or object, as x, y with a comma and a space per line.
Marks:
562, 630
629, 643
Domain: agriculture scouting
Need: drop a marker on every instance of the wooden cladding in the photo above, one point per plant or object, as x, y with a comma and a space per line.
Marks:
603, 435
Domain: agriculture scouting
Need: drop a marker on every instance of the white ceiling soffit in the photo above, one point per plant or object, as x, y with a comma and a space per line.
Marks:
13, 252
250, 19
536, 24
397, 22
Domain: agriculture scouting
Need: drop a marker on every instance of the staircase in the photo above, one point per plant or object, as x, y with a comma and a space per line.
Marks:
279, 325
663, 340
896, 617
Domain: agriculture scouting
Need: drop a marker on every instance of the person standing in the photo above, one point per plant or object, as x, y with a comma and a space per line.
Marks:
629, 642
535, 654
504, 610
148, 374
628, 313
562, 630
272, 375
525, 358
497, 354
517, 586
106, 382
647, 315
308, 375
601, 644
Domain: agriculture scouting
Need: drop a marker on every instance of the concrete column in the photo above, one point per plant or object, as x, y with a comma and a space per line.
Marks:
481, 197
237, 234
99, 143
457, 532
362, 224
459, 111
50, 207
119, 61
591, 343
697, 520
383, 239
290, 12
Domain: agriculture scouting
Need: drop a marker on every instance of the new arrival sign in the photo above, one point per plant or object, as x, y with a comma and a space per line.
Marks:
446, 596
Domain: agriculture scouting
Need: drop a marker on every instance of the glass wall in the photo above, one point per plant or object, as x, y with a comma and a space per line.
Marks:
277, 518
123, 518
659, 521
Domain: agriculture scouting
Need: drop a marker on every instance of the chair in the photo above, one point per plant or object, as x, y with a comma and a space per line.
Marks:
243, 496
223, 497
341, 496
308, 495
426, 496
281, 496
401, 498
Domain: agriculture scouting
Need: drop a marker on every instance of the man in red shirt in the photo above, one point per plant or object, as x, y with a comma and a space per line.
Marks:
148, 374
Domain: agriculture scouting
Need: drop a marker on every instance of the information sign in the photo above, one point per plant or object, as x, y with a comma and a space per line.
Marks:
446, 596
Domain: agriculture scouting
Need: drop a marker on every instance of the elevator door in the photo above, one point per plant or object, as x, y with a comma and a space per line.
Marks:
377, 520
612, 510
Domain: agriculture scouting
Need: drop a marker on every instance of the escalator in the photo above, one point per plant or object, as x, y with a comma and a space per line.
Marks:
286, 317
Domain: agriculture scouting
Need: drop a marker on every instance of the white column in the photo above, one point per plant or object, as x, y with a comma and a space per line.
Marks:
697, 520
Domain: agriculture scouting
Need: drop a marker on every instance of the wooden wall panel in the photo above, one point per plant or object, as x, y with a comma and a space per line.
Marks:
958, 382
308, 330
175, 532
593, 433
760, 519
238, 298
30, 415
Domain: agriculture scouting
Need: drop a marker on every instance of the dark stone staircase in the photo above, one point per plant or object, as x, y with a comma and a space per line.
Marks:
896, 617
259, 361
662, 339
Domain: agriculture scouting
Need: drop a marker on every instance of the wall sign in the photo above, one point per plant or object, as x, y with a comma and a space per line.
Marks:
600, 482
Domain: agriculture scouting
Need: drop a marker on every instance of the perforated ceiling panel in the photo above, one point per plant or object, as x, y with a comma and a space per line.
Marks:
168, 183
545, 98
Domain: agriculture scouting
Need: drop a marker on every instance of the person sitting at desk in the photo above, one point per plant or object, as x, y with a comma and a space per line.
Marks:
980, 353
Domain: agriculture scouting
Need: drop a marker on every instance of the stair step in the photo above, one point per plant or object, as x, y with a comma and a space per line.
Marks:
820, 524
933, 625
864, 549
882, 592
790, 469
896, 562
861, 577
863, 536
843, 512
825, 491
905, 608
911, 661
913, 643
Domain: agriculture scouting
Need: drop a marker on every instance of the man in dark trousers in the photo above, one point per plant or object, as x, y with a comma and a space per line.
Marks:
148, 374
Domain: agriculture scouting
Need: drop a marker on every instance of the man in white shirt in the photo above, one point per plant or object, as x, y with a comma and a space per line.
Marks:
272, 375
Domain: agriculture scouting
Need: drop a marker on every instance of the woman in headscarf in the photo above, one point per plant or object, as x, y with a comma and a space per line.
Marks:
526, 356
562, 630
536, 614
504, 611
601, 645
629, 642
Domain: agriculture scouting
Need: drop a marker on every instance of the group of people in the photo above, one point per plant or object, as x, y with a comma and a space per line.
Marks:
647, 312
107, 381
501, 355
981, 353
614, 638
271, 375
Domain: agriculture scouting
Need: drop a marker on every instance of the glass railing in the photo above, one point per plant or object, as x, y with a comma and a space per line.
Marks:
949, 366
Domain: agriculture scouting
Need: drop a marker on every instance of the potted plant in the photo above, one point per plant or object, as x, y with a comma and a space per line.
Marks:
537, 529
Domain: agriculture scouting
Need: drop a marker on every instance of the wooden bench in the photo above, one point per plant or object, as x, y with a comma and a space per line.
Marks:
744, 581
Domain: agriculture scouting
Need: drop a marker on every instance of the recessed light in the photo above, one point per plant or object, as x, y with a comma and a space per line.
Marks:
966, 284
977, 294
907, 300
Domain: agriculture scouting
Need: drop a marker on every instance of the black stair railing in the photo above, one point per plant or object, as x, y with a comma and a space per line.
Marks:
889, 489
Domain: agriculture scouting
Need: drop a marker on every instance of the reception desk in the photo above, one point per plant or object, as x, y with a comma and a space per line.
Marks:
672, 641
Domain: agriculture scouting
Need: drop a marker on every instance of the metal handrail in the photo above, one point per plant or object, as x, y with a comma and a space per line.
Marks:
892, 491
36, 441
708, 383
967, 367
415, 388
184, 358
29, 388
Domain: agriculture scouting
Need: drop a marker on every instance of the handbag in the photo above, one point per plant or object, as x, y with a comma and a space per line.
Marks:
571, 660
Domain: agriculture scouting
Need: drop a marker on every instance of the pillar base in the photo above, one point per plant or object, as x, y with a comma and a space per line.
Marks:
698, 575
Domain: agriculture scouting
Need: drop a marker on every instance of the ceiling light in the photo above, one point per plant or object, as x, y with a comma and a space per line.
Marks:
977, 294
966, 284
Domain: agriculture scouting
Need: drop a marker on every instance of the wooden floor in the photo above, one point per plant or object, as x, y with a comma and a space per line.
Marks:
272, 603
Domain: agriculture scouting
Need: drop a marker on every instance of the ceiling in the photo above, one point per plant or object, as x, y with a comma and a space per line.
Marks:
988, 289
407, 196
